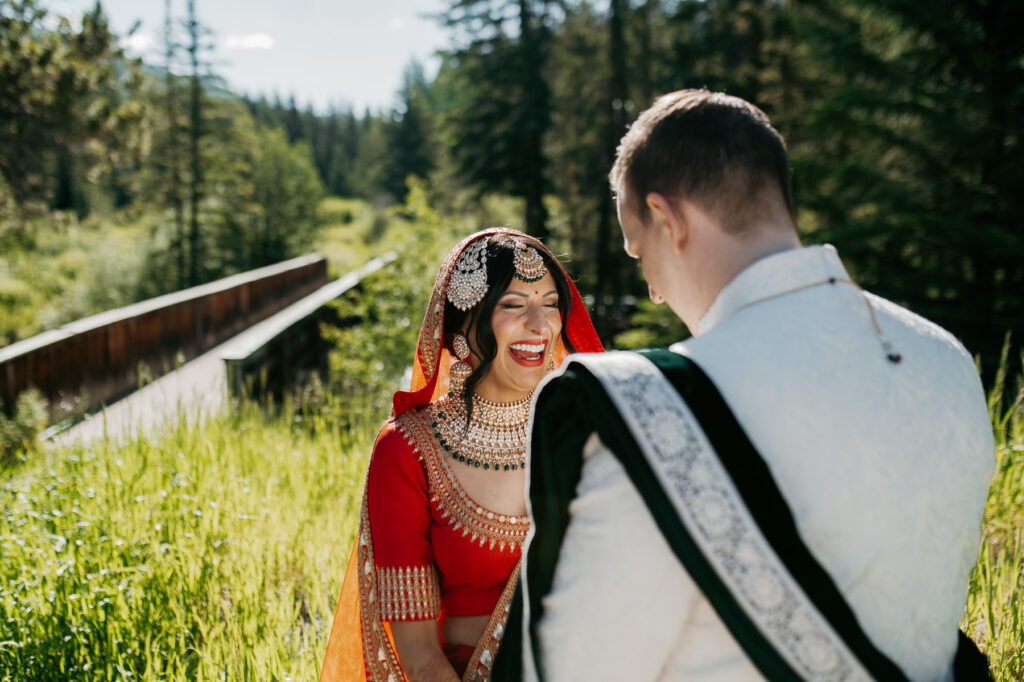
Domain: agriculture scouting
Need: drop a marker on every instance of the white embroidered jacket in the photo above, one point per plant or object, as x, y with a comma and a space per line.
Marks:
885, 468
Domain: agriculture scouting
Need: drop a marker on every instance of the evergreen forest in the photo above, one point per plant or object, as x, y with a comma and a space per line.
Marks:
903, 121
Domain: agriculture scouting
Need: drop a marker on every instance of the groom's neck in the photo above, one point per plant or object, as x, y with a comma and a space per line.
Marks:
729, 256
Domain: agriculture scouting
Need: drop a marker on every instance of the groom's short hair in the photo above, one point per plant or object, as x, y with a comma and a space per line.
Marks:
718, 151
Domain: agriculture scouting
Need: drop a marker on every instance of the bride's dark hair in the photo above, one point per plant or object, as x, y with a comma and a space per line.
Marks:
500, 271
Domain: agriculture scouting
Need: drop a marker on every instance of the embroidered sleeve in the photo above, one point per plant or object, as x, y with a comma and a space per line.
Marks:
408, 593
399, 514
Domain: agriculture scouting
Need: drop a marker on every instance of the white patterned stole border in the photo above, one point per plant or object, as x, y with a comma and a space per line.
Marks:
717, 519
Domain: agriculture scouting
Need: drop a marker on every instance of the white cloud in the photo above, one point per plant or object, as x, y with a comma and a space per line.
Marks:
139, 42
397, 23
253, 41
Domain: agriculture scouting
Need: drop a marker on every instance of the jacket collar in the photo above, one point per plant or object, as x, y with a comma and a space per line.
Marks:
771, 276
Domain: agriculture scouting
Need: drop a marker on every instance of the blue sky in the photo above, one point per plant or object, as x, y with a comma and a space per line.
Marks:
346, 52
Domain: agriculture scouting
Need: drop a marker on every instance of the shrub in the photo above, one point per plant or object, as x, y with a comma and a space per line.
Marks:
20, 430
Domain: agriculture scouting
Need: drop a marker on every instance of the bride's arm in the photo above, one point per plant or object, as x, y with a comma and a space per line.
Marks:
419, 652
407, 591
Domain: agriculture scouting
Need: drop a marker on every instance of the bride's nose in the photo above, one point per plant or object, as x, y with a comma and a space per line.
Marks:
535, 319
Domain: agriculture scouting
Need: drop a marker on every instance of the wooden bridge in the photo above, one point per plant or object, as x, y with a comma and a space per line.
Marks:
182, 354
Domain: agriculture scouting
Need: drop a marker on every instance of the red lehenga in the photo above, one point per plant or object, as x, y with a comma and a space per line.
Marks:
424, 547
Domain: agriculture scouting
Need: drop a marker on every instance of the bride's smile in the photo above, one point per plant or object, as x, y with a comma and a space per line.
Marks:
526, 323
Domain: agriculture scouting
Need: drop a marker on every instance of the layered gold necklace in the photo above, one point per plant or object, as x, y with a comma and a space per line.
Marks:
495, 437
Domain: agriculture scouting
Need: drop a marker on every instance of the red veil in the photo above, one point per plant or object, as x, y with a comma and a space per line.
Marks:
344, 660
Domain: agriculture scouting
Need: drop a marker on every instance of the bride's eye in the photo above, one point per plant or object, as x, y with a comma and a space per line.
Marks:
510, 306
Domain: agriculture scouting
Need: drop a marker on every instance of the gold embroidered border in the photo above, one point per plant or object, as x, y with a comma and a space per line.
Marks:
479, 668
408, 593
481, 525
379, 656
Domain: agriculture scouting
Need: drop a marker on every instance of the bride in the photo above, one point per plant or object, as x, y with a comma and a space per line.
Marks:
443, 516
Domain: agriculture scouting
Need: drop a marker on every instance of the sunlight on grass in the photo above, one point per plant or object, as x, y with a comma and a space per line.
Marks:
995, 602
209, 553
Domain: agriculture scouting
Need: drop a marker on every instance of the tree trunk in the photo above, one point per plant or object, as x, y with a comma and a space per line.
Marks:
195, 132
533, 118
607, 281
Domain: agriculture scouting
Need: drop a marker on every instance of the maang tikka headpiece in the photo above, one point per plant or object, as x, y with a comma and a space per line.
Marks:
529, 265
468, 283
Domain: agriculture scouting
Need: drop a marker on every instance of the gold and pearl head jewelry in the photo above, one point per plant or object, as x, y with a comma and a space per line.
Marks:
468, 283
528, 263
461, 370
493, 439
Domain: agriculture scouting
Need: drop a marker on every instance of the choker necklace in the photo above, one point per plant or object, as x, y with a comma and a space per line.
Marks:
496, 437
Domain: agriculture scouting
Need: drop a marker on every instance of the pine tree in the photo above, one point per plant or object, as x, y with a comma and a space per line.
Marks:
499, 135
408, 137
912, 161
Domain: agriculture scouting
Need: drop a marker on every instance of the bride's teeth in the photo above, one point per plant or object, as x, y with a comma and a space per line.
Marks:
527, 347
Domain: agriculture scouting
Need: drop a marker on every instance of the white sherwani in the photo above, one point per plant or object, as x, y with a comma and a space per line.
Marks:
884, 466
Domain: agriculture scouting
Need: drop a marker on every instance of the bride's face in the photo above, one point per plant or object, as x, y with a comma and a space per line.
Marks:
526, 324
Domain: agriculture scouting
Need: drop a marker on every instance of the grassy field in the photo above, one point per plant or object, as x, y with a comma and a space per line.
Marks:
995, 603
216, 553
213, 553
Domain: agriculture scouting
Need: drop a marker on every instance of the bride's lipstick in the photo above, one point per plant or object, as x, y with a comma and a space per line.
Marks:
528, 353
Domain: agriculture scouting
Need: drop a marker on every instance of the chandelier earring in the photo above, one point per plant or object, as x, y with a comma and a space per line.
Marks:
461, 370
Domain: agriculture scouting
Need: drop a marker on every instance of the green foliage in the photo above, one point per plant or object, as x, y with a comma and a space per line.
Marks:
206, 553
651, 325
408, 137
261, 209
907, 157
497, 138
18, 431
62, 269
265, 200
369, 358
63, 112
995, 601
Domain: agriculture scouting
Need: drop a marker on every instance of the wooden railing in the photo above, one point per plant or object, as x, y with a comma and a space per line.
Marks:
96, 360
274, 353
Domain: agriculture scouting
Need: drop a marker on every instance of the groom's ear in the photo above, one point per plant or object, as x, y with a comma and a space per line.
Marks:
667, 215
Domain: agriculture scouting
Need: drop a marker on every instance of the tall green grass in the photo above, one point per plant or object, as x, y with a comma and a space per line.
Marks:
995, 602
209, 553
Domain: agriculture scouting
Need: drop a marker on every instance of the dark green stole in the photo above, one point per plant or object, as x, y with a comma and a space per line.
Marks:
576, 405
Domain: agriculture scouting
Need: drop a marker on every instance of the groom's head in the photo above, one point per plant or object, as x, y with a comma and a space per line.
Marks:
702, 183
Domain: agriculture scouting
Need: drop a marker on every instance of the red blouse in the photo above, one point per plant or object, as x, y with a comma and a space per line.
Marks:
437, 552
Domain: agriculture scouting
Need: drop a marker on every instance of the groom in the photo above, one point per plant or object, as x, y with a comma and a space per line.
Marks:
795, 493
